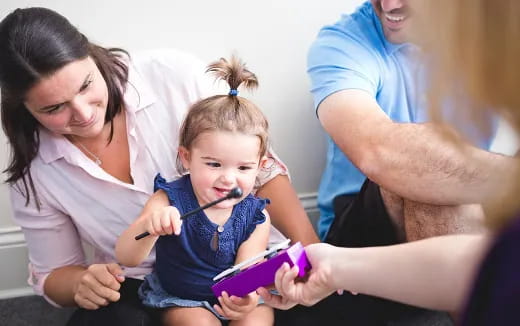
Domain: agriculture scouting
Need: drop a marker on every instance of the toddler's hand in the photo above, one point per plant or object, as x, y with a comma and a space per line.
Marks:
164, 221
236, 308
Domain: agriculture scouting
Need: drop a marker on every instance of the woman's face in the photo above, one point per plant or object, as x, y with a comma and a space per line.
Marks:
71, 101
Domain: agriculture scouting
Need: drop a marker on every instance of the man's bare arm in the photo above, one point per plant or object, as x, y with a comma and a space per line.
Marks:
413, 160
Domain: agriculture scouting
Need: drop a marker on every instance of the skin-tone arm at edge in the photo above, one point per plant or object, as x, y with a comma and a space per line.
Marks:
434, 273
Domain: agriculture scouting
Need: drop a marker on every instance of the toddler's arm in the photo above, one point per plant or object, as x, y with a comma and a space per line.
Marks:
237, 308
257, 241
158, 218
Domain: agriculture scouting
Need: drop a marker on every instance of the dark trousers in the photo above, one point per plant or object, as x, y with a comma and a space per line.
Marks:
128, 311
360, 220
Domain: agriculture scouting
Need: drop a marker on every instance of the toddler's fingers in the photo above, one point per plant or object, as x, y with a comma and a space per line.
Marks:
176, 221
166, 224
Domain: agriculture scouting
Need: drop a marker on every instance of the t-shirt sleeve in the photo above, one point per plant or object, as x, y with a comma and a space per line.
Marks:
340, 59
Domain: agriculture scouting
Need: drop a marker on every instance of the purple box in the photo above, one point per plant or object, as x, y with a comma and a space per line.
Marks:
262, 273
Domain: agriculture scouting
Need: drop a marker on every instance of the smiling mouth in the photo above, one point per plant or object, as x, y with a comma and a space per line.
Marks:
395, 18
222, 191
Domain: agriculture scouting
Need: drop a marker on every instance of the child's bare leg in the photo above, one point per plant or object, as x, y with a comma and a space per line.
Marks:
197, 316
263, 315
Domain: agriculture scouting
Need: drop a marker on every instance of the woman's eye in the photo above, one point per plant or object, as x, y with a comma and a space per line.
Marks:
54, 109
86, 85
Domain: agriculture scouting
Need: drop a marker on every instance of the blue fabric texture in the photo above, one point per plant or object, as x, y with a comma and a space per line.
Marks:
153, 295
354, 54
186, 264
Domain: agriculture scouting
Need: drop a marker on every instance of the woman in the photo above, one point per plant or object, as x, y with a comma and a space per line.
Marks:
88, 128
474, 44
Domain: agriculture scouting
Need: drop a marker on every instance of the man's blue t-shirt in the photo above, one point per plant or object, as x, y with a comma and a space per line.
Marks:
354, 54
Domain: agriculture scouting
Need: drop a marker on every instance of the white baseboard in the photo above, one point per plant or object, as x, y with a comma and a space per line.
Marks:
11, 236
13, 251
309, 201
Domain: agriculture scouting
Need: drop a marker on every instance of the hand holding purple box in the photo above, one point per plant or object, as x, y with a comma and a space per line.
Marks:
262, 273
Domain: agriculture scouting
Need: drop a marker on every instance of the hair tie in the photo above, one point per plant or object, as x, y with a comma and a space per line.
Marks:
233, 92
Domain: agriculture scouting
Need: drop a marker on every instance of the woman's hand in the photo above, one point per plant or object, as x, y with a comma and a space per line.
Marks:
236, 308
98, 285
164, 221
315, 287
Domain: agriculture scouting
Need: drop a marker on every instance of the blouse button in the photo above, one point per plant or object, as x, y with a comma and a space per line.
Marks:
220, 228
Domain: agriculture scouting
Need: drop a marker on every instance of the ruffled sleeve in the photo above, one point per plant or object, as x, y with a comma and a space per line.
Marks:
159, 183
258, 217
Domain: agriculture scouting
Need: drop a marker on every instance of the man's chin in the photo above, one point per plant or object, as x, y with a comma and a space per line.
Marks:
396, 37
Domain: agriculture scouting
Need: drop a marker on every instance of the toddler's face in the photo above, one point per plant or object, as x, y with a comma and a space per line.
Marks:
219, 161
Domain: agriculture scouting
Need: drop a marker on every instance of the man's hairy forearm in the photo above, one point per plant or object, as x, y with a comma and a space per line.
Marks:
419, 162
414, 161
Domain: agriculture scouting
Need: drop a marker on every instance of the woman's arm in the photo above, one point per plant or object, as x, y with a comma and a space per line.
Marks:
57, 263
157, 218
90, 288
286, 211
434, 273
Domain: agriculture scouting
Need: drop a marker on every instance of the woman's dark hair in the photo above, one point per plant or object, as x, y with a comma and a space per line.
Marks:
34, 44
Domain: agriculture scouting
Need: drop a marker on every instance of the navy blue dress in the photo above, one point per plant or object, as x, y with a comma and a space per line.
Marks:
186, 264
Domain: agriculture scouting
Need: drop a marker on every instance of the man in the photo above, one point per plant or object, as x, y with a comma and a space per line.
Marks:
390, 175
369, 97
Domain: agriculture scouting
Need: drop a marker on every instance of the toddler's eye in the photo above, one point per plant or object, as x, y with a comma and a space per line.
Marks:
213, 164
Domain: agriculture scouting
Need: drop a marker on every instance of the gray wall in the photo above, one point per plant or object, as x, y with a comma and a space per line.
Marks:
272, 36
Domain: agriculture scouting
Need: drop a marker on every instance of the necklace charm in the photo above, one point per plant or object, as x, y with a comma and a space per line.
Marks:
94, 157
